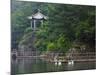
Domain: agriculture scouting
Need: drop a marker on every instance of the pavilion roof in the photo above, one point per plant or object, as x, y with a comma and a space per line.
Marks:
38, 15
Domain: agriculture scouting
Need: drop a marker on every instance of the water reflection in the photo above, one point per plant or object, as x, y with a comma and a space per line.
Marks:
30, 65
14, 67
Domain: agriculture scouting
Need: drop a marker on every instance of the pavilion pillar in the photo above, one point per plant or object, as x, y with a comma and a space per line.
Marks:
31, 24
42, 23
34, 24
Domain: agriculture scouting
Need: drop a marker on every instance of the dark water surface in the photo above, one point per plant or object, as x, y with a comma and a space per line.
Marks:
28, 65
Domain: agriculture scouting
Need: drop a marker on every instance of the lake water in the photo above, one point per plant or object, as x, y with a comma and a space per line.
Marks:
30, 65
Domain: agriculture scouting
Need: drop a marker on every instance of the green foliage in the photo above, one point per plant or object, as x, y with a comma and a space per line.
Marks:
66, 23
63, 43
28, 30
51, 46
85, 31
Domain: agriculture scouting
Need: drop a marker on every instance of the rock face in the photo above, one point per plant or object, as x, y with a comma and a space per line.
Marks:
26, 46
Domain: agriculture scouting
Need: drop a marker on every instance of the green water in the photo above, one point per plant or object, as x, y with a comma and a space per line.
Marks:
29, 65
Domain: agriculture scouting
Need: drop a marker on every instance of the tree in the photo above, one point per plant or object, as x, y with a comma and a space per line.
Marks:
65, 25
